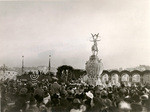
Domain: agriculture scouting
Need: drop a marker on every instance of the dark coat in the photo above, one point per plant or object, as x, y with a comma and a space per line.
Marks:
55, 88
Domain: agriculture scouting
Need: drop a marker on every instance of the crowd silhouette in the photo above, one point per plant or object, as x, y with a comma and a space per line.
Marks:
62, 97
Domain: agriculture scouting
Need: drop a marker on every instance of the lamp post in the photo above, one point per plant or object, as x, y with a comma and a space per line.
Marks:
22, 64
49, 66
4, 69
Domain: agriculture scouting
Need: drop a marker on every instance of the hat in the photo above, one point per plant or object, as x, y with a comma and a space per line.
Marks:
108, 102
89, 94
64, 93
76, 101
101, 87
32, 100
23, 91
45, 87
104, 93
55, 78
46, 94
124, 105
83, 108
136, 98
147, 90
144, 97
42, 107
126, 97
122, 91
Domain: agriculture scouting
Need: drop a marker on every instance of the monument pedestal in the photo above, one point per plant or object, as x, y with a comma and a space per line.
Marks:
94, 68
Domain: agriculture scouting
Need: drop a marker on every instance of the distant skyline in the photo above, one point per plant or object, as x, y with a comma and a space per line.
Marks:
63, 28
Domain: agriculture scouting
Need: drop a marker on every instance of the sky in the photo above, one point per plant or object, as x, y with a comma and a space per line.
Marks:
62, 29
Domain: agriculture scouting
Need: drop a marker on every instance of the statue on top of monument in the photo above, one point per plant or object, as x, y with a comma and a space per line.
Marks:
94, 47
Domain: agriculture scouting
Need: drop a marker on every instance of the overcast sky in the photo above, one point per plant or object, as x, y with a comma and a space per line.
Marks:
63, 29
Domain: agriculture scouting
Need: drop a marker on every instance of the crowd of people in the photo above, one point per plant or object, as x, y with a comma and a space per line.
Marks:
61, 97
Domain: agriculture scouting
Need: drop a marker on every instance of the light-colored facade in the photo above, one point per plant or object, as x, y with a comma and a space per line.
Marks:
43, 69
136, 78
105, 78
126, 76
9, 74
146, 78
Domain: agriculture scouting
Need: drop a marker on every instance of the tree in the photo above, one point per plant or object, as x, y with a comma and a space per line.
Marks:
64, 73
4, 68
78, 73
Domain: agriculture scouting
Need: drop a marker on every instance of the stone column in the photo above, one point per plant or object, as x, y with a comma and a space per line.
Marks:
130, 78
109, 78
120, 77
141, 78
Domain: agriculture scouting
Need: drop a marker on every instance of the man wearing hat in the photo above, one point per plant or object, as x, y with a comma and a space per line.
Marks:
76, 105
55, 87
89, 100
21, 100
39, 93
33, 105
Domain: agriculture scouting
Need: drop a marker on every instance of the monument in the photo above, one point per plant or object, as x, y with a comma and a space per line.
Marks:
94, 66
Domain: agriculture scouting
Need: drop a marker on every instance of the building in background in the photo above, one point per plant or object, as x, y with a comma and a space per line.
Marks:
41, 69
45, 69
8, 74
